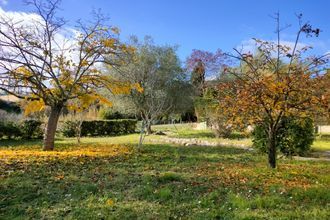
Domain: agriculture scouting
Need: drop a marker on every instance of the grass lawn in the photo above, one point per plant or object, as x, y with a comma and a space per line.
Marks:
186, 131
107, 178
321, 145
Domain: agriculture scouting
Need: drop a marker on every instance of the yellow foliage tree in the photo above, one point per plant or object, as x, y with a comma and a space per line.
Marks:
37, 69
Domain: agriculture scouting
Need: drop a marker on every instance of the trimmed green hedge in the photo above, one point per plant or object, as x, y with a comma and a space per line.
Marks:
27, 129
9, 106
31, 129
109, 114
99, 128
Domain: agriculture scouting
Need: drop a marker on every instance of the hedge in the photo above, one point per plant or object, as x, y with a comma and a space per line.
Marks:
99, 128
31, 129
10, 107
109, 114
27, 129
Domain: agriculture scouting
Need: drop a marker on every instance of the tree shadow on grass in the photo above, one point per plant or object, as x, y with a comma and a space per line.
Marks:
60, 143
191, 150
20, 142
189, 155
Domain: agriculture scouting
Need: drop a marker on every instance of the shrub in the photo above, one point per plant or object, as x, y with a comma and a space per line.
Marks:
10, 107
295, 137
219, 128
69, 128
206, 109
9, 130
26, 129
100, 127
109, 114
31, 129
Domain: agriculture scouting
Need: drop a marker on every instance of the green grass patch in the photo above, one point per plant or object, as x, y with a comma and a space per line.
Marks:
108, 178
321, 143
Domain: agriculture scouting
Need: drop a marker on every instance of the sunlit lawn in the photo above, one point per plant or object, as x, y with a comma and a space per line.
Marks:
321, 145
186, 131
108, 178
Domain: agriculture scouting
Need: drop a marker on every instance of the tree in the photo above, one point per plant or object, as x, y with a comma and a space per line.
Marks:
46, 64
157, 69
198, 78
294, 137
325, 97
275, 83
201, 63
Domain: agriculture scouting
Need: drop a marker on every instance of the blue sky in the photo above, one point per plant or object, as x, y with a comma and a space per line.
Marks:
197, 24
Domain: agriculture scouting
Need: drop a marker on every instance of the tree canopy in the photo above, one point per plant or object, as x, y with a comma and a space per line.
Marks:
158, 71
275, 83
46, 64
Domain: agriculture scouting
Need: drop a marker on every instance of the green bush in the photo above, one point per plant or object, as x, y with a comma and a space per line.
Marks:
325, 137
31, 129
26, 129
100, 128
109, 114
10, 107
295, 137
9, 130
69, 128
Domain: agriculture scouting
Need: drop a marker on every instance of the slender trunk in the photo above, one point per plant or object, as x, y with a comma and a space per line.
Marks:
51, 127
272, 149
78, 131
79, 137
147, 122
149, 131
141, 134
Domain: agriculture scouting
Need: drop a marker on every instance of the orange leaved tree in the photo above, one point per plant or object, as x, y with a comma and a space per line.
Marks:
48, 64
276, 82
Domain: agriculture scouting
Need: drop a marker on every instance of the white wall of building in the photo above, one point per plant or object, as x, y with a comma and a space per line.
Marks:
323, 129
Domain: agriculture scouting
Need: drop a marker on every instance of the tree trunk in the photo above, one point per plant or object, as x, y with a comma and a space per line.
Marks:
141, 134
78, 129
51, 126
148, 126
272, 149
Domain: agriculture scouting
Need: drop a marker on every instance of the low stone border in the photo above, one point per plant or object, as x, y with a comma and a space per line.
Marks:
311, 158
198, 142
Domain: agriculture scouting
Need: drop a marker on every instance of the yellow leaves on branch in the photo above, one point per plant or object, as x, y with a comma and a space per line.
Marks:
109, 42
24, 71
118, 88
105, 101
33, 106
138, 87
84, 63
128, 49
85, 101
268, 95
